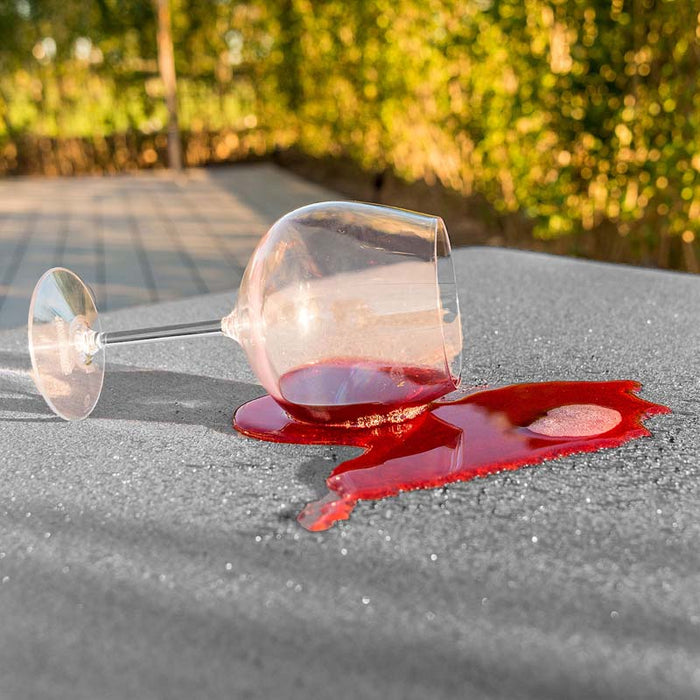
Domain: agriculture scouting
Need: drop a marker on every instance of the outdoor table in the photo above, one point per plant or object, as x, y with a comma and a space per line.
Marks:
152, 552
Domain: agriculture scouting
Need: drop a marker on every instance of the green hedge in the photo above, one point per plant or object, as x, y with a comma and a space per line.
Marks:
571, 112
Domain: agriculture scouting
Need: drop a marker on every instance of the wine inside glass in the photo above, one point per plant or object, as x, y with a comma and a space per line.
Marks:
347, 312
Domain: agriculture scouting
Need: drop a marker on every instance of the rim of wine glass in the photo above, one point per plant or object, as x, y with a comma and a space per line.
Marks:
441, 228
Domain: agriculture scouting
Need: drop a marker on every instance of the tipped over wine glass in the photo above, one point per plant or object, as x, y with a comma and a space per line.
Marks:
347, 312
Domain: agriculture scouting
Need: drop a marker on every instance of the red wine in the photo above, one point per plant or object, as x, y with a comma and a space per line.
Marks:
342, 391
484, 432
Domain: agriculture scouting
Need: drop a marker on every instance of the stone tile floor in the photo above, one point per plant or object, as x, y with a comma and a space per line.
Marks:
143, 237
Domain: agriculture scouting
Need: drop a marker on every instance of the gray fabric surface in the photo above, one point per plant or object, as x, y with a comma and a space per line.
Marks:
151, 552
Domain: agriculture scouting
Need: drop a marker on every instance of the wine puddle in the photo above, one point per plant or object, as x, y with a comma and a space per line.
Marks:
484, 432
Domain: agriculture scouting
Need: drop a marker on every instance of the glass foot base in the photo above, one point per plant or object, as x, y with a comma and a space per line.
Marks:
62, 313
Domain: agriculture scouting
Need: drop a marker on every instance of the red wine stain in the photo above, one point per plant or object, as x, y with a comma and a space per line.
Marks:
484, 432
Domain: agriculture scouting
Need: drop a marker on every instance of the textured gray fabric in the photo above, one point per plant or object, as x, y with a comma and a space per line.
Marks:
150, 552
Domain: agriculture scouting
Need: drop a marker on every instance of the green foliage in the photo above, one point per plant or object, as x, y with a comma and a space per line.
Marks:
572, 112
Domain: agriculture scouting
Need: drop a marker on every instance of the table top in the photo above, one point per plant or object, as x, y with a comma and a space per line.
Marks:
151, 552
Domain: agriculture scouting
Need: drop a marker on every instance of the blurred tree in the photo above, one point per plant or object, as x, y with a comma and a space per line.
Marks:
166, 63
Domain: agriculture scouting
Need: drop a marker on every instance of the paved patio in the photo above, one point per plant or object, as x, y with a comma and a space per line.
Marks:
140, 238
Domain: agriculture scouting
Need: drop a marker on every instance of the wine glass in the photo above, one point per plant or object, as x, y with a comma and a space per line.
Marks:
347, 312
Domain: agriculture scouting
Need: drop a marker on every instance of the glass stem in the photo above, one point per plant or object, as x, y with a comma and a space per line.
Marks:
145, 335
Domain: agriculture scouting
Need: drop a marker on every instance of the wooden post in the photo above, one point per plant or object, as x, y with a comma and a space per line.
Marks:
166, 65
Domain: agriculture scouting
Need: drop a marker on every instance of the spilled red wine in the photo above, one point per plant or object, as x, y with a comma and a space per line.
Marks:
486, 431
